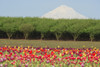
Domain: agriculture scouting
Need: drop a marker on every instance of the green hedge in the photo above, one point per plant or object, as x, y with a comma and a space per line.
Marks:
28, 27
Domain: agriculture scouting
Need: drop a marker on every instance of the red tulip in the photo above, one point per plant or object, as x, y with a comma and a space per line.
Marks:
1, 53
80, 55
30, 52
52, 53
93, 54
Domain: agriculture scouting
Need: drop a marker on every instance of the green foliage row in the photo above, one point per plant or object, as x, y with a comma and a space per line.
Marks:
26, 25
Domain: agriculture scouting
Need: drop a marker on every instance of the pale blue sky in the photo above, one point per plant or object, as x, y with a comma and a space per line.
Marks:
37, 8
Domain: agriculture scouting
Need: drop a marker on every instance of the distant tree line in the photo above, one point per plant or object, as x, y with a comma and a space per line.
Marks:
42, 28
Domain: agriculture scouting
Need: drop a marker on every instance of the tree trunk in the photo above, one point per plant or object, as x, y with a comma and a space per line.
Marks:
42, 36
75, 36
26, 35
91, 37
9, 35
58, 35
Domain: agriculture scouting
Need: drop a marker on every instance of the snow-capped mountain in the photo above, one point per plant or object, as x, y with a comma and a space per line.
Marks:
64, 12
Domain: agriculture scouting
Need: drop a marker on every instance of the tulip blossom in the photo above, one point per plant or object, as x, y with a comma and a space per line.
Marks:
53, 57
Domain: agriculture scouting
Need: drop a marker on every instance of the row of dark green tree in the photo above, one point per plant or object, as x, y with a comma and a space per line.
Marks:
28, 27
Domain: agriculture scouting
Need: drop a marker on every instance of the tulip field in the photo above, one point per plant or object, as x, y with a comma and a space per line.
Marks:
33, 53
49, 57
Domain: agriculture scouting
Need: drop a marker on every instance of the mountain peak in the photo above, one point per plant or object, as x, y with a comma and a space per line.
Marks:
64, 12
63, 6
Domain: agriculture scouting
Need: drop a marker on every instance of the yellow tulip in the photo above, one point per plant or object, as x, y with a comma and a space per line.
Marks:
14, 46
28, 46
60, 55
5, 46
58, 46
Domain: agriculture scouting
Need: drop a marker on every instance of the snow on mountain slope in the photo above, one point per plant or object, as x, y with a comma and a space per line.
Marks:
64, 12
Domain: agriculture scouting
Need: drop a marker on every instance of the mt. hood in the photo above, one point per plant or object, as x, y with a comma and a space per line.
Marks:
64, 12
